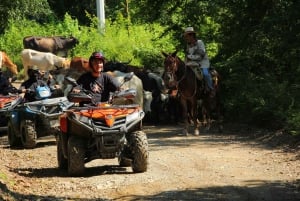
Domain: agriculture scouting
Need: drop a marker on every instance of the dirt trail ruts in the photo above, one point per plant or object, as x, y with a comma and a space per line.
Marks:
229, 166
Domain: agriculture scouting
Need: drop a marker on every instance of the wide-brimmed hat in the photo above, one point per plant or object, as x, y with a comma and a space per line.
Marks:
189, 30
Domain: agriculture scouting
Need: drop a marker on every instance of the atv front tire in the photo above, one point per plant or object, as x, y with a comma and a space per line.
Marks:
76, 154
62, 161
13, 139
140, 154
124, 158
28, 134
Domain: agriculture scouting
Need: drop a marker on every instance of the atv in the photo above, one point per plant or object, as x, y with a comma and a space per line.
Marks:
29, 121
7, 103
9, 98
102, 131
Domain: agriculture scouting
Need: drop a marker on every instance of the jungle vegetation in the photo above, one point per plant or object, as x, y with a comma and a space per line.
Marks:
255, 44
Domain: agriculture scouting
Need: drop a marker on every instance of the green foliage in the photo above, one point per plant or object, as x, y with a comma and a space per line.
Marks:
120, 42
37, 10
12, 40
260, 58
139, 44
293, 123
254, 44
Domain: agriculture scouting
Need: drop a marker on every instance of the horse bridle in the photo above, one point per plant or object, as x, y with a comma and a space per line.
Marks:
171, 70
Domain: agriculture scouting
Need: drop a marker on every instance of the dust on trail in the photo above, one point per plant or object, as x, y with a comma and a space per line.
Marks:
212, 166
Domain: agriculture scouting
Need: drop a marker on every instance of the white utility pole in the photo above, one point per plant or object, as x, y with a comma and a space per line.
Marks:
100, 14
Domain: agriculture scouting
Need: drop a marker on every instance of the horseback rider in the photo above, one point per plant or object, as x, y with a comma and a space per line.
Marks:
196, 57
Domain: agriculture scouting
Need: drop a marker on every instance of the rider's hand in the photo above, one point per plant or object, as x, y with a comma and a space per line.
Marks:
76, 90
56, 86
190, 57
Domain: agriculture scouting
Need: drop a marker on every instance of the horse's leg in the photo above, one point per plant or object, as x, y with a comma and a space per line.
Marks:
208, 111
195, 118
219, 115
184, 116
204, 115
208, 120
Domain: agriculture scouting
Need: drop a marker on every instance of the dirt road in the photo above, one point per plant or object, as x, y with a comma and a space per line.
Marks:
228, 166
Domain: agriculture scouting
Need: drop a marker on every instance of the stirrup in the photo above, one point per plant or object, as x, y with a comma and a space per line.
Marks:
198, 74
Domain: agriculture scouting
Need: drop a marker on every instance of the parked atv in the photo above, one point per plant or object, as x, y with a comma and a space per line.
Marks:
102, 131
31, 120
9, 98
7, 103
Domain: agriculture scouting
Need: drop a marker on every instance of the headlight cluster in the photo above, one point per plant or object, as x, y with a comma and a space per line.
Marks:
132, 117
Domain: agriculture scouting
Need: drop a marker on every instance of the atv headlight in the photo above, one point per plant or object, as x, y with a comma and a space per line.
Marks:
132, 117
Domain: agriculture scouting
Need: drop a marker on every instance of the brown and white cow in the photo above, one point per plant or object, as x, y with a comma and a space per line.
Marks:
45, 61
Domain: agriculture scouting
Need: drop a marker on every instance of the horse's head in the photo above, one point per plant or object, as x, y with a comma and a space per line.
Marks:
171, 64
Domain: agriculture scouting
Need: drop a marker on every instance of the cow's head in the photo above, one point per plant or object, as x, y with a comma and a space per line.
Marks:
74, 41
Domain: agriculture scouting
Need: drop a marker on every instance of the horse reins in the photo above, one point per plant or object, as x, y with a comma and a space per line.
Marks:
183, 76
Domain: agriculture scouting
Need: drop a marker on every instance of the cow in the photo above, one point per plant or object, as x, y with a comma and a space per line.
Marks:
134, 83
45, 61
78, 66
6, 61
58, 45
152, 82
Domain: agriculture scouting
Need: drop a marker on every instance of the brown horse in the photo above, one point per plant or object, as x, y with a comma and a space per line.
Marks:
212, 104
182, 77
6, 61
178, 75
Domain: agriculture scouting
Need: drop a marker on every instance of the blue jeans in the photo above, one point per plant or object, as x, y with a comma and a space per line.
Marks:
207, 77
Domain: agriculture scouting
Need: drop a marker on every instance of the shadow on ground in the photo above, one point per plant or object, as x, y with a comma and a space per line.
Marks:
275, 191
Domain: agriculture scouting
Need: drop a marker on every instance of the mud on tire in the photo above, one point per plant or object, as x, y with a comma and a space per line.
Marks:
76, 155
140, 155
28, 134
61, 160
124, 158
13, 139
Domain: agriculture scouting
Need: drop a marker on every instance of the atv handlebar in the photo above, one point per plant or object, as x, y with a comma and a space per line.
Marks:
86, 95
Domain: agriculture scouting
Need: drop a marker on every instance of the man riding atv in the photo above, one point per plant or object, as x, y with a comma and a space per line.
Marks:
36, 79
96, 81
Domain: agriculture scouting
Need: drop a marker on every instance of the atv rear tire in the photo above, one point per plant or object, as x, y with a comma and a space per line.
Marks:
76, 154
13, 139
139, 146
62, 161
28, 134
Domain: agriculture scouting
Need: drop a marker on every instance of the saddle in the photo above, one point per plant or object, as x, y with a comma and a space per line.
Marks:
197, 71
203, 86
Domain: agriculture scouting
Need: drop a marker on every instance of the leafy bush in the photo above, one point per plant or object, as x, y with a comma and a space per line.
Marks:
137, 43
